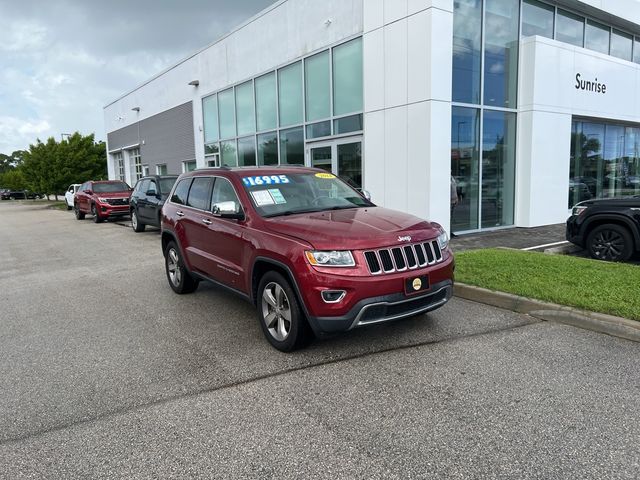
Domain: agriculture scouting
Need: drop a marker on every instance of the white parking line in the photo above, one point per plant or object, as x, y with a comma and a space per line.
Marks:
545, 245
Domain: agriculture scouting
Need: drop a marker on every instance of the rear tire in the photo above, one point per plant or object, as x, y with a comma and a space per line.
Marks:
610, 242
136, 224
94, 211
69, 207
79, 214
180, 280
282, 321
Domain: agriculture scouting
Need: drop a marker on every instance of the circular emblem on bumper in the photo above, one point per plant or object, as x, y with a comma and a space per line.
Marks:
417, 283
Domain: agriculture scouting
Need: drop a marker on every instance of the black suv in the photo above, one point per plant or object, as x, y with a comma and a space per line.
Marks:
608, 228
147, 199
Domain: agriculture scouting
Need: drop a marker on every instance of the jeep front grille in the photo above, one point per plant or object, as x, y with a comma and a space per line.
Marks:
402, 258
118, 201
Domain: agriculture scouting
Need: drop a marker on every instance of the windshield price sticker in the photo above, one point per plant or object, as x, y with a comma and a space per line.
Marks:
277, 196
265, 180
262, 198
325, 175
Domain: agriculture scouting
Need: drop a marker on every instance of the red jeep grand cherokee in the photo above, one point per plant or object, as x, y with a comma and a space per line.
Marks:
311, 253
102, 199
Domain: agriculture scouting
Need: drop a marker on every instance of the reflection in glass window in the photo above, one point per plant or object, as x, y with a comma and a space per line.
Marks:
268, 149
467, 27
290, 94
501, 52
189, 166
244, 109
636, 50
266, 112
292, 146
210, 114
317, 85
180, 193
228, 154
537, 19
200, 193
570, 28
350, 163
347, 77
347, 124
597, 37
247, 151
211, 149
498, 168
465, 164
227, 113
320, 129
621, 45
585, 182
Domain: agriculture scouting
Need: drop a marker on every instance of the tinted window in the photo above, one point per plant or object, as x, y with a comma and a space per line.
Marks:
110, 187
222, 192
142, 187
166, 184
200, 192
180, 194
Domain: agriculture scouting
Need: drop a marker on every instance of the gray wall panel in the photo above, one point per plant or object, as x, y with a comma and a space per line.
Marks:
165, 138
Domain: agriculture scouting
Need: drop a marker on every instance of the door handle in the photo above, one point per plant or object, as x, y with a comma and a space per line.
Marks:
179, 213
206, 221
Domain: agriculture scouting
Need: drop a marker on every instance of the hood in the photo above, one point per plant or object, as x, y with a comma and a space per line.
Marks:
613, 202
354, 229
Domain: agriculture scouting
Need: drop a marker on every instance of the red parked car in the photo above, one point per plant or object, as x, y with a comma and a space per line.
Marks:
102, 199
310, 252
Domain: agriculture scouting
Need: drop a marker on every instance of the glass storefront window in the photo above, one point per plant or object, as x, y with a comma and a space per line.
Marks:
268, 149
245, 114
467, 28
210, 115
266, 97
347, 78
636, 50
247, 151
537, 19
211, 149
347, 124
465, 165
227, 113
498, 168
290, 94
621, 45
570, 28
292, 146
228, 153
320, 129
317, 86
597, 37
501, 52
350, 163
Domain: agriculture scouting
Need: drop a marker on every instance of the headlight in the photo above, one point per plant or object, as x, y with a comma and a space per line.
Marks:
103, 200
578, 210
333, 258
443, 240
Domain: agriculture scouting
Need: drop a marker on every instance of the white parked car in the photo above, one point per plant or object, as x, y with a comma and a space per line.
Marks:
68, 196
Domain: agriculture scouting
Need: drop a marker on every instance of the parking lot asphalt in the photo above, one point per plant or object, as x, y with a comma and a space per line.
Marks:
106, 373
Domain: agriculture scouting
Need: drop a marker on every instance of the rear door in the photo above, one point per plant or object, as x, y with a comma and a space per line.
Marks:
194, 221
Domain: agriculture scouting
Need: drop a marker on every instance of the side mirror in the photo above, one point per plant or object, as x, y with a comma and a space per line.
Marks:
88, 192
228, 209
366, 194
151, 193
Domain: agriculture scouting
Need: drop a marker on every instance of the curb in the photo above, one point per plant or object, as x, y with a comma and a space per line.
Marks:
597, 322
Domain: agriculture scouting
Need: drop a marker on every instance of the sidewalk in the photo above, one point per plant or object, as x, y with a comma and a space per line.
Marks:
511, 237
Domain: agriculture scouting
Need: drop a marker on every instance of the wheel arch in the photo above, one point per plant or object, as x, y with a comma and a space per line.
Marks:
262, 265
619, 220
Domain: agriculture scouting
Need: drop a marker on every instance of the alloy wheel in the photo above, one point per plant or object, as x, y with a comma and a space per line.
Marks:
134, 220
276, 311
608, 245
173, 267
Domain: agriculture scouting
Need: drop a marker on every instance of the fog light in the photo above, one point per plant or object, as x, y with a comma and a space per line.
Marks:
333, 296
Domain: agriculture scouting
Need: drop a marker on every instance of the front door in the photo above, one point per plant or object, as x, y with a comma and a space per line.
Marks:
342, 157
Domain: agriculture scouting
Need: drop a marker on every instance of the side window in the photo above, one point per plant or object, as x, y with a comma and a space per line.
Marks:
200, 193
151, 188
180, 194
141, 187
71, 189
223, 195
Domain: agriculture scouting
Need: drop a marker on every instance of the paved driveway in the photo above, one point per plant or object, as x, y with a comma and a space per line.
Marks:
105, 372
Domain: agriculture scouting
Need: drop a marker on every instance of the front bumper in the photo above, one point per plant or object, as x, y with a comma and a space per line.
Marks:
385, 308
113, 211
572, 232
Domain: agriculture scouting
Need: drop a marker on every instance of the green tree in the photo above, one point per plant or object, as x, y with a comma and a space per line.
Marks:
13, 179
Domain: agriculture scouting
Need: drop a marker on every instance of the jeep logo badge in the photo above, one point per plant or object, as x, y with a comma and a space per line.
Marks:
406, 238
417, 283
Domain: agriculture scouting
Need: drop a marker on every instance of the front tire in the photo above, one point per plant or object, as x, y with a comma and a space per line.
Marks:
610, 242
279, 313
136, 224
96, 218
180, 280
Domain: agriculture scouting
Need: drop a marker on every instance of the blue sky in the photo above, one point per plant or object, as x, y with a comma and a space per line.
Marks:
62, 61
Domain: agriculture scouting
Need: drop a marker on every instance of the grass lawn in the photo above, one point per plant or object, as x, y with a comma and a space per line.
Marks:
612, 288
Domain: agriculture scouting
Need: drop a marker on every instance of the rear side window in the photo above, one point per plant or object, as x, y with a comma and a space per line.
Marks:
180, 194
200, 193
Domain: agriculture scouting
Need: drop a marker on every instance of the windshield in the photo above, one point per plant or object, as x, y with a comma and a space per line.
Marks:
275, 195
110, 187
166, 184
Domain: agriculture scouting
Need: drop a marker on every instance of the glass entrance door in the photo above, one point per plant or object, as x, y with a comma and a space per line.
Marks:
342, 157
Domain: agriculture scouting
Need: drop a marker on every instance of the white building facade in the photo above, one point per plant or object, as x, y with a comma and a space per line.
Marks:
528, 106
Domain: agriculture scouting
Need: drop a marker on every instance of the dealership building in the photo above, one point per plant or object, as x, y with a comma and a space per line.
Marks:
528, 106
